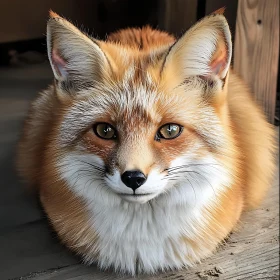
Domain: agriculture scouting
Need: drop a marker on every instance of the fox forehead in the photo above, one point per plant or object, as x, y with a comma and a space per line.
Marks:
131, 106
118, 104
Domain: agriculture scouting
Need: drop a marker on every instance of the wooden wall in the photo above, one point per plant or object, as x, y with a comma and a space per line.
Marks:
256, 49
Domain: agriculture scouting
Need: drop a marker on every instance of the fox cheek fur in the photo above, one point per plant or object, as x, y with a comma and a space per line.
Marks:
193, 187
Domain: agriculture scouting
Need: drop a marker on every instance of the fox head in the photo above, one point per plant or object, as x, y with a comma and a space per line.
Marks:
135, 122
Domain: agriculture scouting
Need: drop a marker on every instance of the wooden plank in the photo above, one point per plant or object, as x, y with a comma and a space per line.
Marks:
257, 49
26, 243
18, 86
31, 247
252, 252
176, 16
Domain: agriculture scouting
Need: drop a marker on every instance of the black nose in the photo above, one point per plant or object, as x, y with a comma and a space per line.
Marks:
133, 179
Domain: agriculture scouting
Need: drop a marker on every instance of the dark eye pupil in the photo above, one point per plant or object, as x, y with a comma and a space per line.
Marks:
169, 131
107, 129
104, 131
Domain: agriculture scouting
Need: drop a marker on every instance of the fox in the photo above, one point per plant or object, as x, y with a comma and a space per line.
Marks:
146, 149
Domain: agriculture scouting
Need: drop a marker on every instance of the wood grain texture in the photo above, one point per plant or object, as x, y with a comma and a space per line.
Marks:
18, 86
256, 49
251, 252
29, 248
176, 16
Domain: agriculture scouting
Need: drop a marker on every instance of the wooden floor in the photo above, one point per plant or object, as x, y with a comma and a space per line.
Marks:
29, 250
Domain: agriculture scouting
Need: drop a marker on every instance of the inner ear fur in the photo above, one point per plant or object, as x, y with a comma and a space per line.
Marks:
204, 51
77, 61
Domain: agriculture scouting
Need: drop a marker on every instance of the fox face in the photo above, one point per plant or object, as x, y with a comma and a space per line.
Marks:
138, 122
145, 149
137, 145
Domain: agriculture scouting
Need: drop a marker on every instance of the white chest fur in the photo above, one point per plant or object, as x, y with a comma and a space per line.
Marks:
145, 237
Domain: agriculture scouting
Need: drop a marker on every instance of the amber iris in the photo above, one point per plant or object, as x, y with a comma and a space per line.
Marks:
169, 131
105, 131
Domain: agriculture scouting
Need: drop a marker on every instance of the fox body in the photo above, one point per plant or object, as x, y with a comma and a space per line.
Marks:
170, 111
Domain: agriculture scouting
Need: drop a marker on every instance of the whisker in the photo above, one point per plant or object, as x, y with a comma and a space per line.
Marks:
205, 180
192, 188
185, 171
190, 165
97, 167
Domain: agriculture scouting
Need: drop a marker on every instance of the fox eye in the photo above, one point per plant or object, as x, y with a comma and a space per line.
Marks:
105, 131
169, 131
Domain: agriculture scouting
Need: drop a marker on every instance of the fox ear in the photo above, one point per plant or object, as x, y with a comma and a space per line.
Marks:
205, 50
76, 60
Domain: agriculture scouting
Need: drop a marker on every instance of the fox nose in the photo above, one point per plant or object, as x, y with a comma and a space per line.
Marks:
133, 179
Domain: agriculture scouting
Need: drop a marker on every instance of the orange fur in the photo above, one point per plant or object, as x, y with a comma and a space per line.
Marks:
55, 197
220, 11
144, 39
249, 154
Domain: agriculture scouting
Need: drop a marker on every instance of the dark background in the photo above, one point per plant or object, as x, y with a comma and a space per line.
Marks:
23, 24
